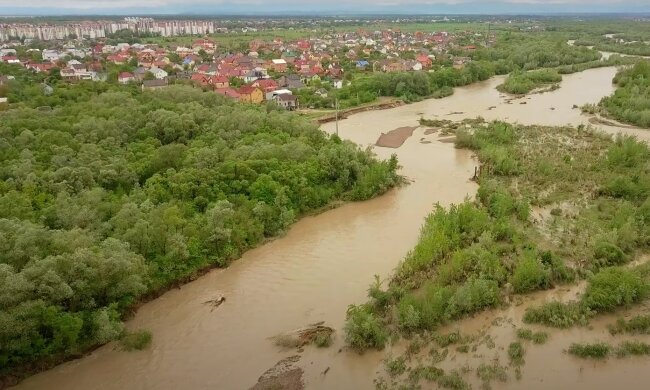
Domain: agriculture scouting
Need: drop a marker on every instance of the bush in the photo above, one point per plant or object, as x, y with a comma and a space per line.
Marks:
556, 314
138, 340
636, 325
395, 367
530, 275
612, 288
536, 337
516, 353
632, 348
592, 351
474, 295
363, 329
607, 254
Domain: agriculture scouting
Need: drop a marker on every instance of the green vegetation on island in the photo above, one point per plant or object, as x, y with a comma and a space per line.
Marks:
555, 205
520, 83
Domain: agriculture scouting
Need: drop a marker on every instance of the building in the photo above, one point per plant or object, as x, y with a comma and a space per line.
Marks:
125, 77
158, 73
248, 94
279, 65
286, 101
154, 84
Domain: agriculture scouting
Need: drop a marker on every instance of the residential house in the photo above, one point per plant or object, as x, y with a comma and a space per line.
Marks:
154, 84
255, 74
412, 65
139, 73
322, 92
51, 55
267, 86
10, 59
125, 77
286, 101
279, 65
158, 73
337, 84
425, 60
362, 64
250, 94
40, 68
291, 81
220, 82
460, 62
228, 92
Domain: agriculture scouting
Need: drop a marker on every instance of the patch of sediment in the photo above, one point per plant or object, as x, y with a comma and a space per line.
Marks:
395, 138
284, 375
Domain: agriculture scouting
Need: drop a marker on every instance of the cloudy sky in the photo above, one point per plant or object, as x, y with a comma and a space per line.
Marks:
304, 6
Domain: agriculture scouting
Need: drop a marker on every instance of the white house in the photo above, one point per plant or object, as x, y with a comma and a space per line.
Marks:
51, 55
158, 73
7, 52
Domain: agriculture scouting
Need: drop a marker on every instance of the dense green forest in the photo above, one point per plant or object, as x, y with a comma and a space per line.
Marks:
520, 83
631, 101
108, 194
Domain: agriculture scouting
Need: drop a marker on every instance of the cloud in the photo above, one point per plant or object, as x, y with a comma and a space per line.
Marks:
224, 7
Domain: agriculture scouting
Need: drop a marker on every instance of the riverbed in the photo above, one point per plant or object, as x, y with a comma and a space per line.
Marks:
322, 264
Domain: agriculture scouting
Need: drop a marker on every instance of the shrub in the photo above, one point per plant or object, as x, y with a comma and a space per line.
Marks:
636, 325
607, 254
613, 287
474, 295
137, 340
556, 314
395, 367
490, 372
592, 351
516, 353
323, 340
452, 381
530, 275
433, 305
363, 329
408, 316
560, 273
536, 337
632, 348
448, 339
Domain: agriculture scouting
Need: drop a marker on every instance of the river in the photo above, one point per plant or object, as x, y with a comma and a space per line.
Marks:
321, 265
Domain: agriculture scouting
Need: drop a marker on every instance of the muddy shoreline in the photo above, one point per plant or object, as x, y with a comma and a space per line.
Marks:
346, 113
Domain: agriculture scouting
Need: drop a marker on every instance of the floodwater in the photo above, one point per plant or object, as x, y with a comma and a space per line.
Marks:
326, 262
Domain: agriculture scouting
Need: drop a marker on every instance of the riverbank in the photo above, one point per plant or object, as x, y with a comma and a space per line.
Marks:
326, 116
288, 282
492, 253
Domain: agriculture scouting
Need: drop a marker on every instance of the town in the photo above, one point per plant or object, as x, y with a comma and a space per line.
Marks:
311, 71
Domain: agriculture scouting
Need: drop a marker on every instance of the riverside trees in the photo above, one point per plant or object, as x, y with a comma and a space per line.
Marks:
104, 200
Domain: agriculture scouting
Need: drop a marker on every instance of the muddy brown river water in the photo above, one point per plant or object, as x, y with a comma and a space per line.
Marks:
326, 262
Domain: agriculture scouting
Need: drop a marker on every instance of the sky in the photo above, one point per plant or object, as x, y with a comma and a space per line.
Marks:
215, 7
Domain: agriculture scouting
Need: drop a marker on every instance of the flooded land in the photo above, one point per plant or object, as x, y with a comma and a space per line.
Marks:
326, 262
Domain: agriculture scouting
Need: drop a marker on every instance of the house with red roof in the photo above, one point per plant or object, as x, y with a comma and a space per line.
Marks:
40, 68
250, 94
125, 77
228, 92
424, 60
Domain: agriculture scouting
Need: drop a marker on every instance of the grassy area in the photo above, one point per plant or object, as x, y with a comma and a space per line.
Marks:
555, 205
